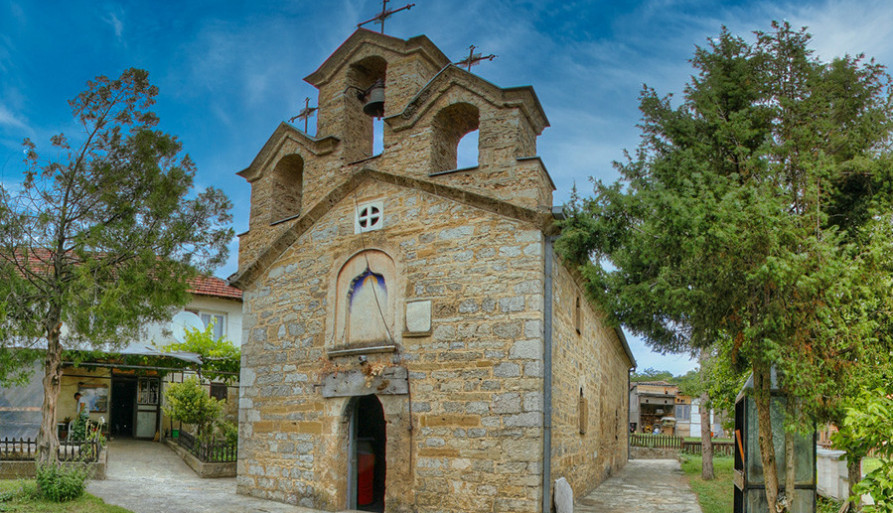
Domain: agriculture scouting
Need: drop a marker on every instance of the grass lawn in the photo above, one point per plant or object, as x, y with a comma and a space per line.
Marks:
714, 496
20, 496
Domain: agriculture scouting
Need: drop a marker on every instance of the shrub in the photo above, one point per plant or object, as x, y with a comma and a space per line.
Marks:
189, 403
61, 483
79, 428
229, 431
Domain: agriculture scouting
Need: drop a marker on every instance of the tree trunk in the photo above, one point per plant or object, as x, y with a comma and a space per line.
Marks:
790, 474
706, 440
762, 381
854, 475
47, 441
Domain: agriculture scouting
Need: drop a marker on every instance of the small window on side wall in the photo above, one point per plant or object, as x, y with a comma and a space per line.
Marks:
219, 391
578, 317
583, 411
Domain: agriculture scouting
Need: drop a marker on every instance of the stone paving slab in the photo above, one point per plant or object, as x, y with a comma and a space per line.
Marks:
646, 486
148, 477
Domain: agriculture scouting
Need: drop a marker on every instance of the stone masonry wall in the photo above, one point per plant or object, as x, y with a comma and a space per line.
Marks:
468, 436
595, 361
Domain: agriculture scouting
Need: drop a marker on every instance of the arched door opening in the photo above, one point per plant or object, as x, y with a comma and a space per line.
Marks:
368, 458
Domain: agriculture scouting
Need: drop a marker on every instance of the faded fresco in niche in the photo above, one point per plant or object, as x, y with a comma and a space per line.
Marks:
365, 301
367, 308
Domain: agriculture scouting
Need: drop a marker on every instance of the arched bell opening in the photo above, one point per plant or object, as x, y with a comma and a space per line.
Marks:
366, 82
450, 126
287, 183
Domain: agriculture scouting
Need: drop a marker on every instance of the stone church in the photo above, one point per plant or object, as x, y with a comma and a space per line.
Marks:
411, 340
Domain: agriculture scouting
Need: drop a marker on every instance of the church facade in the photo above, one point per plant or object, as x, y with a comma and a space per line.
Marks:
411, 341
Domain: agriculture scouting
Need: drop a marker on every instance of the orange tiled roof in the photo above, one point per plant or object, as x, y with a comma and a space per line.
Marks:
211, 286
39, 258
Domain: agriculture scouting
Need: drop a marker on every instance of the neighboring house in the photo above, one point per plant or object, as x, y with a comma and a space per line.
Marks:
413, 342
122, 390
716, 420
660, 403
655, 401
682, 413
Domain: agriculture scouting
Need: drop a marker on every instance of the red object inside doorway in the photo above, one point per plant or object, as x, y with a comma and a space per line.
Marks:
365, 475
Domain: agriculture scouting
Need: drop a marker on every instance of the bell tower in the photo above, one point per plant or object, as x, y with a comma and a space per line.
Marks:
427, 105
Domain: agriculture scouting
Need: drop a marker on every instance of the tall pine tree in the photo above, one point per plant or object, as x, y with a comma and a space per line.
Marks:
747, 214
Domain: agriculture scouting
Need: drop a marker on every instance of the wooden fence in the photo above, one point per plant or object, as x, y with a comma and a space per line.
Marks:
719, 448
216, 452
25, 449
655, 441
678, 442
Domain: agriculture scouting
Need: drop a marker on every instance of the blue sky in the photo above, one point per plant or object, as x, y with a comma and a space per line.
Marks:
230, 72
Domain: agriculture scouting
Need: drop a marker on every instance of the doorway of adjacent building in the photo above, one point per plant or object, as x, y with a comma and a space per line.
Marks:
121, 414
367, 474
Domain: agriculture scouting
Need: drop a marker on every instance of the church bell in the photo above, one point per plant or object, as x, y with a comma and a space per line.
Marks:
374, 97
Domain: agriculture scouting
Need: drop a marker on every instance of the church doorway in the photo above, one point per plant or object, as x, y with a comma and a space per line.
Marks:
368, 458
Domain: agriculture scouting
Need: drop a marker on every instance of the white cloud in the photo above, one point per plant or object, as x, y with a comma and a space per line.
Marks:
9, 119
842, 27
116, 24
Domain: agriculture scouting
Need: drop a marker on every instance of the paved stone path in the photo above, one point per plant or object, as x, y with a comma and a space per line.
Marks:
148, 477
643, 486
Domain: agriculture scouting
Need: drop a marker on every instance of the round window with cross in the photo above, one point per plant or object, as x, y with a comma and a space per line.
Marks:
369, 217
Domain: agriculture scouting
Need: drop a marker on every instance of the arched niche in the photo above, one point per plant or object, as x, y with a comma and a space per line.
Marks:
449, 126
287, 183
366, 299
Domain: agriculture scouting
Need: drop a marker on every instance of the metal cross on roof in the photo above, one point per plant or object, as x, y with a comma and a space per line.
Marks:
473, 59
305, 113
384, 14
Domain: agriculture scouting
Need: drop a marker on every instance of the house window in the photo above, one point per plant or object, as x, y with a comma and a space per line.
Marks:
578, 317
148, 391
219, 321
583, 412
369, 217
683, 412
218, 391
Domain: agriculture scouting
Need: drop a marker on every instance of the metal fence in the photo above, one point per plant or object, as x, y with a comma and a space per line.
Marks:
25, 449
215, 452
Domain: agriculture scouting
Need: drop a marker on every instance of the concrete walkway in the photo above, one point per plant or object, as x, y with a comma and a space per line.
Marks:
646, 486
148, 477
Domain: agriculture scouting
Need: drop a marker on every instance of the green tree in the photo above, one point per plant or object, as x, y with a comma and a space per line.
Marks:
744, 216
100, 239
869, 426
652, 374
189, 403
221, 359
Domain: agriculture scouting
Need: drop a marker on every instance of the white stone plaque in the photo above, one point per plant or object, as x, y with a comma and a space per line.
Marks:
418, 316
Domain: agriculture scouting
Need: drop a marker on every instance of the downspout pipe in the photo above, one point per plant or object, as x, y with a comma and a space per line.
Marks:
547, 375
629, 374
